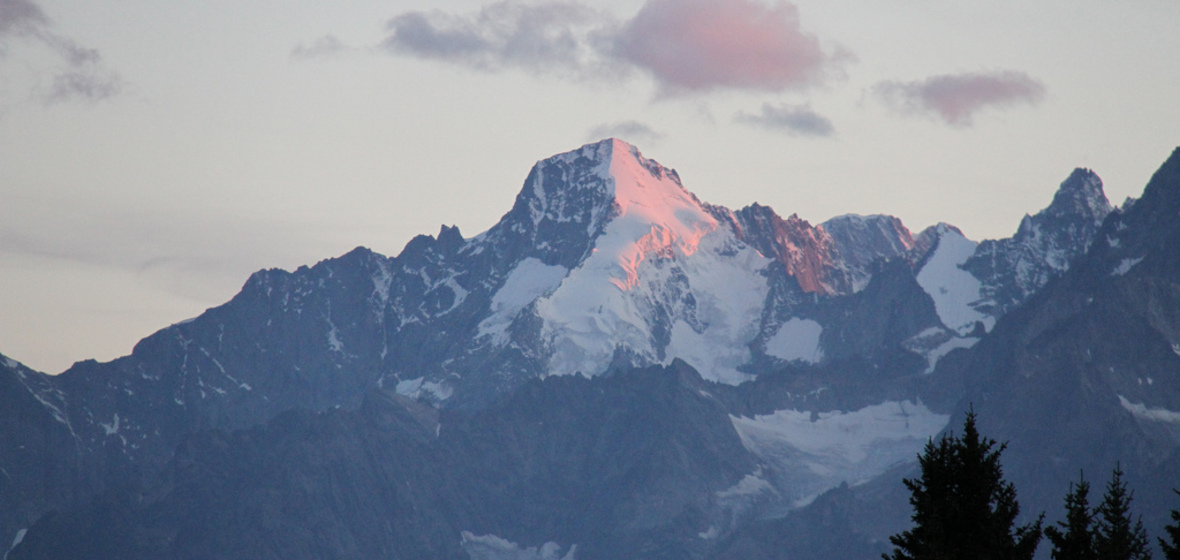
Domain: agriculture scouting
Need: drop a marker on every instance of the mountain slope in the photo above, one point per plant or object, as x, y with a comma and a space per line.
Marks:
1082, 377
1095, 357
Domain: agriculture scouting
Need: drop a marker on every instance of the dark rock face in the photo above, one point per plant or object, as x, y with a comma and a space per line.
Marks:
862, 241
834, 258
39, 456
612, 465
1013, 269
1087, 373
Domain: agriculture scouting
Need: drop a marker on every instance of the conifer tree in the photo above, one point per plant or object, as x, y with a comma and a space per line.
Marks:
1116, 537
1076, 542
1172, 549
963, 507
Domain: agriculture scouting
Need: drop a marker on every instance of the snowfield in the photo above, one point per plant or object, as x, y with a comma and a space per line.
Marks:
814, 452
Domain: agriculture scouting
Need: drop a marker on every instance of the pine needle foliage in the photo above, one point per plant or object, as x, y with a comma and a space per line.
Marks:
1118, 537
1172, 549
1073, 539
963, 507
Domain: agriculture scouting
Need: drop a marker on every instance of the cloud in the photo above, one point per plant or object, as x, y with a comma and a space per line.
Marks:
702, 45
542, 38
80, 72
325, 46
955, 98
634, 132
686, 46
20, 17
796, 120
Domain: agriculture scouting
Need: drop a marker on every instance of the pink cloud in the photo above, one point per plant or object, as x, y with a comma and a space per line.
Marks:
701, 45
955, 98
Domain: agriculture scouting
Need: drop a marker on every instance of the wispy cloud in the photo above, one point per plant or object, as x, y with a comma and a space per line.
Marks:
540, 38
20, 17
634, 132
956, 98
325, 46
685, 46
796, 120
80, 72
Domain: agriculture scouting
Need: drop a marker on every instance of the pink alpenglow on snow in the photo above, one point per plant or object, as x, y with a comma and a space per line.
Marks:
701, 45
656, 214
659, 244
956, 98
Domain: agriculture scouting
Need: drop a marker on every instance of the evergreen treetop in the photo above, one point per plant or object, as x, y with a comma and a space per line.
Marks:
963, 507
1073, 539
1172, 549
1117, 537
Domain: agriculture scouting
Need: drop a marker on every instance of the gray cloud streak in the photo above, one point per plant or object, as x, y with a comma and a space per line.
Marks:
325, 46
20, 17
540, 38
796, 120
956, 98
80, 72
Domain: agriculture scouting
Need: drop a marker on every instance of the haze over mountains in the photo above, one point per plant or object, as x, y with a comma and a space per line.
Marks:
615, 369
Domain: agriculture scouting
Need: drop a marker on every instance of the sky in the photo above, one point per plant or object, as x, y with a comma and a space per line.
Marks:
154, 154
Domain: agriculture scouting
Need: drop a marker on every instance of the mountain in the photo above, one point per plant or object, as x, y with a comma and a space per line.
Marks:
814, 345
1010, 270
1086, 375
1082, 377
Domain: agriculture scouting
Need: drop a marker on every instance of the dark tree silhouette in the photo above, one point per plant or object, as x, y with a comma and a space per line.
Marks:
1172, 549
1073, 539
1117, 537
963, 507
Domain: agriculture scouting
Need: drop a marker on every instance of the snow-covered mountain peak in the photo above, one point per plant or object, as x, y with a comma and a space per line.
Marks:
630, 206
654, 213
658, 275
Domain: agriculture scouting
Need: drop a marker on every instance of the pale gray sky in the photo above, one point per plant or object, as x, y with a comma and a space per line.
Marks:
154, 154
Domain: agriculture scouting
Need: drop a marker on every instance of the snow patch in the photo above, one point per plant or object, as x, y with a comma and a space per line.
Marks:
797, 339
113, 427
491, 547
1142, 412
729, 293
529, 280
334, 341
749, 485
1125, 266
952, 288
20, 536
416, 388
11, 363
814, 452
382, 281
945, 348
459, 292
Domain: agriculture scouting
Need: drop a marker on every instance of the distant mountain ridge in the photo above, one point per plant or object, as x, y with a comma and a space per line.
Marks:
605, 263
